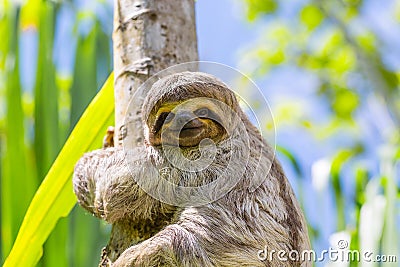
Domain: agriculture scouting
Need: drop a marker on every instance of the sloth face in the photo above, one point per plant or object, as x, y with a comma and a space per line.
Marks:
186, 123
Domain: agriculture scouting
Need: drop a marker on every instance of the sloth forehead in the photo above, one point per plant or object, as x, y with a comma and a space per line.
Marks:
189, 104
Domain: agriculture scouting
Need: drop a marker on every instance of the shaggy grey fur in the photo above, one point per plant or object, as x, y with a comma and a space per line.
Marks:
256, 210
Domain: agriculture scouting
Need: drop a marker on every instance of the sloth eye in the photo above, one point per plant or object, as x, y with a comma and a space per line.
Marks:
166, 117
202, 112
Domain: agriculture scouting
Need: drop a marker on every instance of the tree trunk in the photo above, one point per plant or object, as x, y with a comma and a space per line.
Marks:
149, 36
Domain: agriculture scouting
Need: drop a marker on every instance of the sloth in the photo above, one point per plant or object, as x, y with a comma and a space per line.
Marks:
204, 189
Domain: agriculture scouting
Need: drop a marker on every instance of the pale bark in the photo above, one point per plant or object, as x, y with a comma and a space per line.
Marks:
149, 36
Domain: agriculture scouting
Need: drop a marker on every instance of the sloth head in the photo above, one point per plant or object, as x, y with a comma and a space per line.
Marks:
185, 108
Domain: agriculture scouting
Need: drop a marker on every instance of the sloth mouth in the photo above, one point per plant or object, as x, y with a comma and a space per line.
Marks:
190, 131
187, 135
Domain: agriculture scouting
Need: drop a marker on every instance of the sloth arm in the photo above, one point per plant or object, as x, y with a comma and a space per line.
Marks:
104, 184
105, 187
196, 239
173, 246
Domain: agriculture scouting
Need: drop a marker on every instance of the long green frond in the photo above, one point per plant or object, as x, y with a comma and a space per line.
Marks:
55, 198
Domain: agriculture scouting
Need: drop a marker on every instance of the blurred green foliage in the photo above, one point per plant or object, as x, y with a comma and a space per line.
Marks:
55, 198
34, 125
324, 39
330, 41
255, 7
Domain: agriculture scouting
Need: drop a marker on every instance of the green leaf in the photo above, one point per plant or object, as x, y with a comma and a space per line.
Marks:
17, 181
30, 14
47, 135
85, 79
256, 8
293, 160
342, 61
345, 103
390, 78
47, 143
338, 163
361, 179
55, 198
368, 42
311, 16
276, 58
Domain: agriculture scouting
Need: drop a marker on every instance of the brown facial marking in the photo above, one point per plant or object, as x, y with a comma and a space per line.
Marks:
186, 124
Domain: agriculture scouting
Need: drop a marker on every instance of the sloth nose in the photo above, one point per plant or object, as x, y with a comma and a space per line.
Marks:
184, 117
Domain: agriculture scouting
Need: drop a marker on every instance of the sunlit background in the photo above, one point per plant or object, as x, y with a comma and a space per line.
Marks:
329, 69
